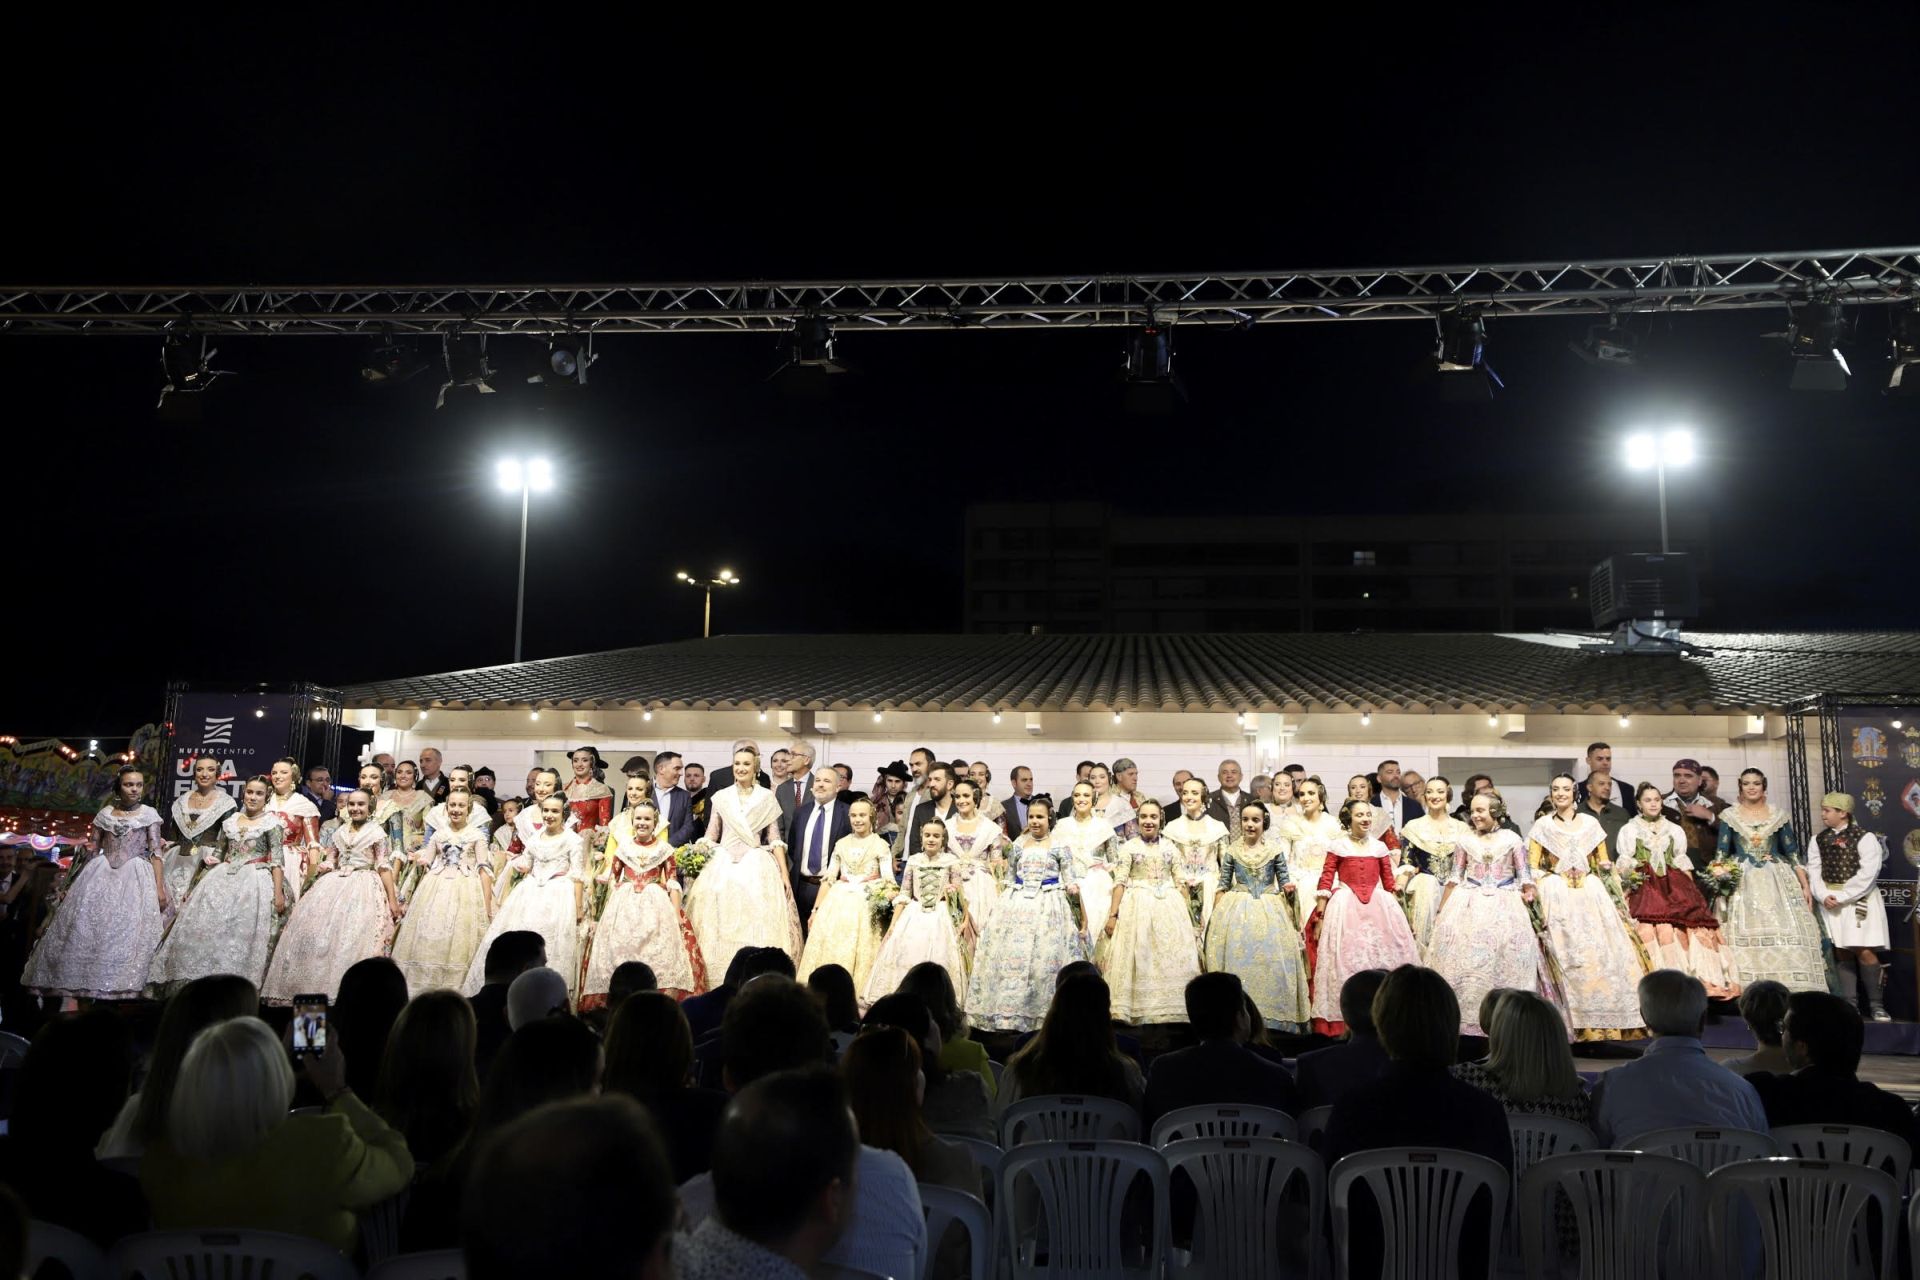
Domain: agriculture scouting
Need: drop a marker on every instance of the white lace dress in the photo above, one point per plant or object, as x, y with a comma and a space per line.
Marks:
196, 832
301, 818
228, 924
338, 922
448, 914
641, 920
1593, 940
1307, 848
1483, 938
843, 930
541, 900
1093, 845
979, 884
100, 942
1154, 951
1202, 843
924, 930
743, 898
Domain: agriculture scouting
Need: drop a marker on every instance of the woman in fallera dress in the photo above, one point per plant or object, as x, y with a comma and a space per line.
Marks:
590, 802
460, 778
531, 822
1676, 926
231, 918
923, 928
642, 919
346, 916
547, 898
1360, 787
842, 930
447, 916
1426, 857
195, 825
1092, 842
978, 845
1153, 949
1284, 808
1768, 925
1483, 937
100, 942
1032, 934
300, 848
1111, 807
1313, 837
1598, 952
403, 812
1201, 839
744, 897
1254, 931
1359, 925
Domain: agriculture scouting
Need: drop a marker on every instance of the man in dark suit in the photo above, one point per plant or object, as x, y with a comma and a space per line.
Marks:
677, 822
1325, 1074
508, 956
794, 791
1015, 808
1220, 1070
937, 804
816, 825
1823, 1036
1225, 803
1399, 807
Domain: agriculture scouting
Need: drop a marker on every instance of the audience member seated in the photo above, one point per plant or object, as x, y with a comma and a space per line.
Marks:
650, 1058
1127, 1044
538, 993
429, 1090
1823, 1038
372, 994
1763, 1005
959, 1051
1529, 1066
510, 955
73, 1081
1259, 1039
1220, 1069
785, 1192
629, 977
705, 1012
832, 986
1074, 1051
775, 1025
537, 1175
1325, 1075
233, 1157
956, 1103
192, 1009
1674, 1082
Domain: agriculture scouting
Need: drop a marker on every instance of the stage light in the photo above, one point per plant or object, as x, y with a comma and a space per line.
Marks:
539, 475
1493, 722
996, 718
1366, 718
1904, 379
1898, 725
1624, 720
810, 346
466, 361
93, 744
535, 715
319, 715
1815, 331
423, 716
391, 363
186, 370
646, 715
876, 717
569, 356
1609, 346
763, 717
1241, 719
259, 713
1152, 386
1461, 355
1116, 717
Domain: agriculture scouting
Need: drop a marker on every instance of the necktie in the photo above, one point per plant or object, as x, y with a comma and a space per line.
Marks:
813, 840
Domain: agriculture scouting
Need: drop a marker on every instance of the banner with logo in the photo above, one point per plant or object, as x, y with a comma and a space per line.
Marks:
1880, 765
245, 732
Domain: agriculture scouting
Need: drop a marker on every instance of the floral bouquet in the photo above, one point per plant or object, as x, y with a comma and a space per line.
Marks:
1630, 875
1721, 879
880, 895
693, 860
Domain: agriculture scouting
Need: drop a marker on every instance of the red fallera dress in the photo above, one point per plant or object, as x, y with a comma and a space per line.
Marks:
1360, 926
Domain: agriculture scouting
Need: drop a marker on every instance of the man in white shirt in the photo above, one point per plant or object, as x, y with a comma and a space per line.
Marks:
1843, 866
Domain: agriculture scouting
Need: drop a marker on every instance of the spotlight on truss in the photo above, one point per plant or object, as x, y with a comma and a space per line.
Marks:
1151, 385
1814, 333
811, 345
466, 361
1609, 346
186, 370
390, 364
568, 357
1904, 380
1461, 356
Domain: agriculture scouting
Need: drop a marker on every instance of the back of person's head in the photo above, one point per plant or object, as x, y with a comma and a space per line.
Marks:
909, 1012
428, 1087
783, 1162
934, 985
521, 1211
649, 1047
1673, 1003
372, 994
550, 1060
1074, 1050
1417, 1017
72, 1083
1824, 1031
882, 1070
773, 1025
538, 993
1356, 1000
1215, 1004
1074, 969
1527, 1049
1489, 1005
234, 1089
1763, 1004
832, 986
763, 960
630, 977
513, 953
190, 1010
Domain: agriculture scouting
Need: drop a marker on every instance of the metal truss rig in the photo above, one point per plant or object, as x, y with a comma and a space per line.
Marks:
1619, 286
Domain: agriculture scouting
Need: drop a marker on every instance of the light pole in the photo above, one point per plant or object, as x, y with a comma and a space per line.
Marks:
1671, 448
527, 477
726, 579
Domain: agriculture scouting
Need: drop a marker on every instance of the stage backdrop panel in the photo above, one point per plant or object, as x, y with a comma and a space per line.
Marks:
1880, 768
232, 728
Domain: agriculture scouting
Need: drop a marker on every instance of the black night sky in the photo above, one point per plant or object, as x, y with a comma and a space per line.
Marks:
310, 529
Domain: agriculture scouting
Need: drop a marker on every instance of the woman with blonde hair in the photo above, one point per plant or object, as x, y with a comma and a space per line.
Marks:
1529, 1067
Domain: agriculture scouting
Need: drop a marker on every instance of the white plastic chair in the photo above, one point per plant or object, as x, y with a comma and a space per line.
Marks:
1076, 1193
1807, 1214
1242, 1188
999, 1070
269, 1255
1312, 1124
1068, 1117
1637, 1215
986, 1157
1848, 1144
433, 1264
1705, 1149
1222, 1122
944, 1207
380, 1227
79, 1255
1534, 1139
13, 1049
1422, 1196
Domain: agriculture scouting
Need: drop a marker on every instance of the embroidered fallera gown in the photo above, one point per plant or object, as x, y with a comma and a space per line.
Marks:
404, 818
925, 929
1361, 926
1154, 951
448, 913
1306, 856
100, 942
590, 804
540, 900
342, 919
1093, 845
228, 924
641, 921
1766, 926
477, 817
1031, 937
843, 931
979, 885
1597, 948
195, 832
1255, 934
1483, 938
1202, 843
744, 897
1426, 860
1117, 813
1676, 927
301, 818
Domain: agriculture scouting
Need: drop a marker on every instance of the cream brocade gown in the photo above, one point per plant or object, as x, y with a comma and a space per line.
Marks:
979, 884
843, 930
100, 942
1483, 938
744, 897
447, 916
542, 900
228, 924
1154, 952
338, 922
924, 930
1595, 944
1426, 860
1766, 927
1202, 843
641, 920
1093, 845
1255, 933
1307, 856
196, 833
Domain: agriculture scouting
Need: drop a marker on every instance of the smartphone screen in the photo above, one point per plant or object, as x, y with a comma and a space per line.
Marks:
309, 1025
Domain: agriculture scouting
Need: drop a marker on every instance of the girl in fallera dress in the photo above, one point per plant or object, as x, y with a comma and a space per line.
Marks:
447, 915
1483, 937
1594, 942
590, 802
1360, 787
744, 898
1111, 807
1091, 840
842, 930
977, 843
100, 942
1201, 839
548, 897
1152, 930
1314, 836
923, 928
1768, 925
531, 822
195, 820
300, 849
1426, 857
1254, 931
1032, 934
642, 919
1283, 810
346, 916
1358, 924
232, 916
460, 778
1677, 928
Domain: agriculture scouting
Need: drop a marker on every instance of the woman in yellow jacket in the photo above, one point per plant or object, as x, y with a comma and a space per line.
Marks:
234, 1157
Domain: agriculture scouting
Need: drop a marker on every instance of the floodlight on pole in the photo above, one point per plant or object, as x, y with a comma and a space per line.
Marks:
524, 476
1670, 448
725, 578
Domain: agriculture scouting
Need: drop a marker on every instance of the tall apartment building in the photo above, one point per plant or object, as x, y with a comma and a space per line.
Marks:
1082, 567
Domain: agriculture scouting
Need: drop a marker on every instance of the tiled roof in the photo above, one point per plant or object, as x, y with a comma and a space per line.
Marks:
1411, 672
